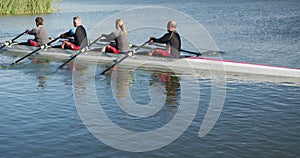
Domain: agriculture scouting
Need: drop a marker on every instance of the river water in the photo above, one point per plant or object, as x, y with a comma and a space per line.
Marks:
150, 112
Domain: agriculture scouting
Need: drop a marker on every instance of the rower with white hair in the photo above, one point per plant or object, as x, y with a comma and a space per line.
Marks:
172, 41
79, 35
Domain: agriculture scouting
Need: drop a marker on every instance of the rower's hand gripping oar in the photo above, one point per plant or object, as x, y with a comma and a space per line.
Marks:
7, 43
79, 52
41, 47
117, 61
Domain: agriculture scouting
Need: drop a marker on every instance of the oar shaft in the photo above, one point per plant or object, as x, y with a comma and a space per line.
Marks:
117, 62
74, 56
41, 47
141, 46
3, 46
12, 40
203, 53
196, 53
122, 58
18, 36
80, 51
25, 56
191, 52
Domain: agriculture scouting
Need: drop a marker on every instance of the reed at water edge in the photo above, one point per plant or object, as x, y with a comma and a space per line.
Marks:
22, 7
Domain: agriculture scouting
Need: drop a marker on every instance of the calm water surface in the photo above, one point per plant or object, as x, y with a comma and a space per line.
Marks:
39, 117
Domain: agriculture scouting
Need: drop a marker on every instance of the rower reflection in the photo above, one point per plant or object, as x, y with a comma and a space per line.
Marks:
171, 83
161, 86
123, 78
40, 67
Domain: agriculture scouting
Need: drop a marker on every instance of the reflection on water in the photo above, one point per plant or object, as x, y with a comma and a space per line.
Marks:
247, 107
171, 83
43, 67
134, 82
115, 110
123, 79
140, 96
40, 66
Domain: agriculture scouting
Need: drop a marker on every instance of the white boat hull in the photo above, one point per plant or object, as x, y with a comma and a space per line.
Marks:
185, 64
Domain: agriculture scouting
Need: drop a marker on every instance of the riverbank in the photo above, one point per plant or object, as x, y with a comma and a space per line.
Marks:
24, 7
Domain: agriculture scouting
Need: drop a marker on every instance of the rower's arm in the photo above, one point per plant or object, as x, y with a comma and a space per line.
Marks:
163, 39
70, 33
112, 36
32, 32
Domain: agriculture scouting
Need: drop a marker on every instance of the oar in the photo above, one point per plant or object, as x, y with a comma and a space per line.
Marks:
12, 40
41, 47
117, 61
191, 52
198, 53
135, 46
79, 52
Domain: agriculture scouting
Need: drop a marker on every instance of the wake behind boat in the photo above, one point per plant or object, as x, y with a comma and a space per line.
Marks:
181, 64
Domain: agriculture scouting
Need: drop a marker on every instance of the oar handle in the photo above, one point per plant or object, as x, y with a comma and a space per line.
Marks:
55, 39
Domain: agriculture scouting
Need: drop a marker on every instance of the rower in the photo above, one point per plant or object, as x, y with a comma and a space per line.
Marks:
172, 41
40, 33
120, 36
79, 35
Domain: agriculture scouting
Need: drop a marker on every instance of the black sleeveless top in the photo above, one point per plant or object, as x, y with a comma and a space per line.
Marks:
80, 37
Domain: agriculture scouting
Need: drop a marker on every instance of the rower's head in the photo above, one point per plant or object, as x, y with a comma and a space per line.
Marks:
39, 21
76, 21
120, 25
171, 25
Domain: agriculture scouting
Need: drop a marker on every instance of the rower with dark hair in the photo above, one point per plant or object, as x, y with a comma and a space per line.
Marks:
172, 41
40, 33
79, 35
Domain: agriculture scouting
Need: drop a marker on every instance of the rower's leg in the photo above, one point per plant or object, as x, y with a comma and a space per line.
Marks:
103, 49
151, 53
63, 45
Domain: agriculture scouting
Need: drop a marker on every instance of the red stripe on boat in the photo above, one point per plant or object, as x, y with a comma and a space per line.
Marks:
230, 61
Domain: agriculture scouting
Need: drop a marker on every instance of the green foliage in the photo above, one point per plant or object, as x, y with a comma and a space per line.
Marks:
21, 7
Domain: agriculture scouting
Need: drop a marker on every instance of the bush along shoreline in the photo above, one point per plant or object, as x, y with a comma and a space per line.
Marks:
24, 7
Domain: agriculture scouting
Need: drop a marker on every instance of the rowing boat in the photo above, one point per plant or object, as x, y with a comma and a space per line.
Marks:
188, 63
